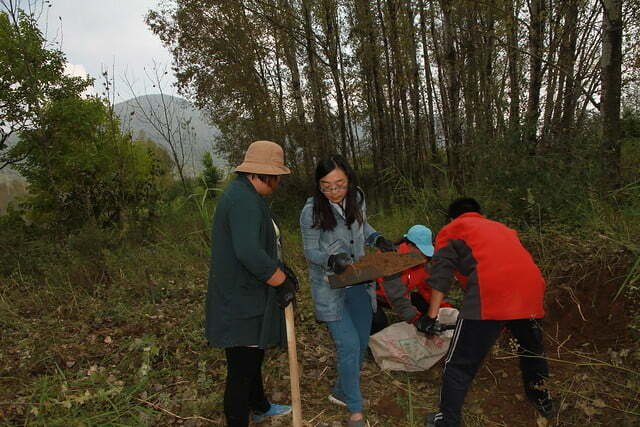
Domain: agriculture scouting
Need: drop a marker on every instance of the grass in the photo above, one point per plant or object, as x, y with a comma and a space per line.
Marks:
105, 328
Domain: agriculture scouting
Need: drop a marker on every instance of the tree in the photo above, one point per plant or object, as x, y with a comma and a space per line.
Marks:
211, 175
168, 120
396, 85
82, 169
536, 46
31, 75
611, 90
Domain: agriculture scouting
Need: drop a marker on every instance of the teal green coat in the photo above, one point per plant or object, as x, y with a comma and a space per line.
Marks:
241, 309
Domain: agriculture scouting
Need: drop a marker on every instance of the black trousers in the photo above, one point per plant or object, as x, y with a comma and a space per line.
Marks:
472, 340
244, 392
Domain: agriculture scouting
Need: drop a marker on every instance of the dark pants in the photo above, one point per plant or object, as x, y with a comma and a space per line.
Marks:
244, 392
472, 340
380, 320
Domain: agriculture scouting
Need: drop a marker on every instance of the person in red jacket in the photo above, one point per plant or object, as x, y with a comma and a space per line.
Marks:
407, 293
504, 289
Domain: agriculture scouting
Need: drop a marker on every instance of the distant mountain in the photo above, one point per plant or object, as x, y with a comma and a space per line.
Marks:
137, 116
132, 119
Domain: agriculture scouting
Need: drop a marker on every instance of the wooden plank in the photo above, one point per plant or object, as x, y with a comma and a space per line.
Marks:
374, 265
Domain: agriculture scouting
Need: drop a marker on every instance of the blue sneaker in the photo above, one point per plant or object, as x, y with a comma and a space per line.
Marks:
274, 411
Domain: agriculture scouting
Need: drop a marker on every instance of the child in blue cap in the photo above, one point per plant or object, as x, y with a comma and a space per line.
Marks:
407, 293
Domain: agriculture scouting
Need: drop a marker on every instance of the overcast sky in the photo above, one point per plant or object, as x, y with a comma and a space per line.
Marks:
98, 34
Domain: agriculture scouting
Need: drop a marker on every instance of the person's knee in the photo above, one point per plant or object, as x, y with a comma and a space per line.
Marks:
459, 376
349, 352
241, 379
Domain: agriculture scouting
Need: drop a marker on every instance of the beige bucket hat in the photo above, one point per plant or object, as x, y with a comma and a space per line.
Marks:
264, 157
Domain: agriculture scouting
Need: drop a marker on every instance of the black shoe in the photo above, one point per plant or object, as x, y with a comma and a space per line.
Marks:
546, 407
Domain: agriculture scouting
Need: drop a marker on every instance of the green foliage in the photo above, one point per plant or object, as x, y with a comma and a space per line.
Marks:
81, 168
630, 123
161, 162
630, 149
548, 183
30, 76
211, 175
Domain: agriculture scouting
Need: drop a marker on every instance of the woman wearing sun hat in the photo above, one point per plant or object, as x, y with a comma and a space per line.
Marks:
407, 293
247, 288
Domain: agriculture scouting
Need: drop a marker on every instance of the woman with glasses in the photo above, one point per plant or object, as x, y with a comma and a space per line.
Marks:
334, 232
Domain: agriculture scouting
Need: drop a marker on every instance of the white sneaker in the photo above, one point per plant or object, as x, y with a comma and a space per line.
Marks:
337, 401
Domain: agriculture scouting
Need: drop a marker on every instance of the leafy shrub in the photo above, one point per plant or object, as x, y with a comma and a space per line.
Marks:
81, 168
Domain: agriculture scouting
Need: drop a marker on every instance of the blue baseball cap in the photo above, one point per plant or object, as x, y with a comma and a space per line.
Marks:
421, 236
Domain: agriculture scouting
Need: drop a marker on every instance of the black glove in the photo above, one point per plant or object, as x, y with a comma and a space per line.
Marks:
338, 263
290, 274
286, 292
428, 325
384, 245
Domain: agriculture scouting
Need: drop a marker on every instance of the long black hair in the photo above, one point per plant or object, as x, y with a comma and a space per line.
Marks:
322, 214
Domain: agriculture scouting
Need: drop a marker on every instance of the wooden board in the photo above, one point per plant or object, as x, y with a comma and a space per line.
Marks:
374, 265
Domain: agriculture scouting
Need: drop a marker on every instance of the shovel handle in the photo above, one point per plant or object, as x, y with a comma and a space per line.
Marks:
294, 374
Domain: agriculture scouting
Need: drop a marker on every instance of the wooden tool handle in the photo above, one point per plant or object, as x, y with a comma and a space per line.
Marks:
293, 366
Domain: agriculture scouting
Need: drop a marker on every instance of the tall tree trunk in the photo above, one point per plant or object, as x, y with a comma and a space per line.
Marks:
323, 140
355, 153
400, 53
330, 23
488, 82
452, 80
611, 89
392, 117
417, 158
536, 46
428, 77
291, 59
570, 95
513, 60
282, 115
471, 92
369, 56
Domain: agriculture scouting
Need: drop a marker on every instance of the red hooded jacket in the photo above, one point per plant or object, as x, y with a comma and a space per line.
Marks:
503, 281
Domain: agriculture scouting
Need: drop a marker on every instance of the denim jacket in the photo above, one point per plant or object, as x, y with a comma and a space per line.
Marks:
320, 244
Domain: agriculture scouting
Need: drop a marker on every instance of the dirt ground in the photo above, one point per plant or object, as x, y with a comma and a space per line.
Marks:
149, 365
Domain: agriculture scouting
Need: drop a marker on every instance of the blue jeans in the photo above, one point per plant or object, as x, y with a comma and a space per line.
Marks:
351, 337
